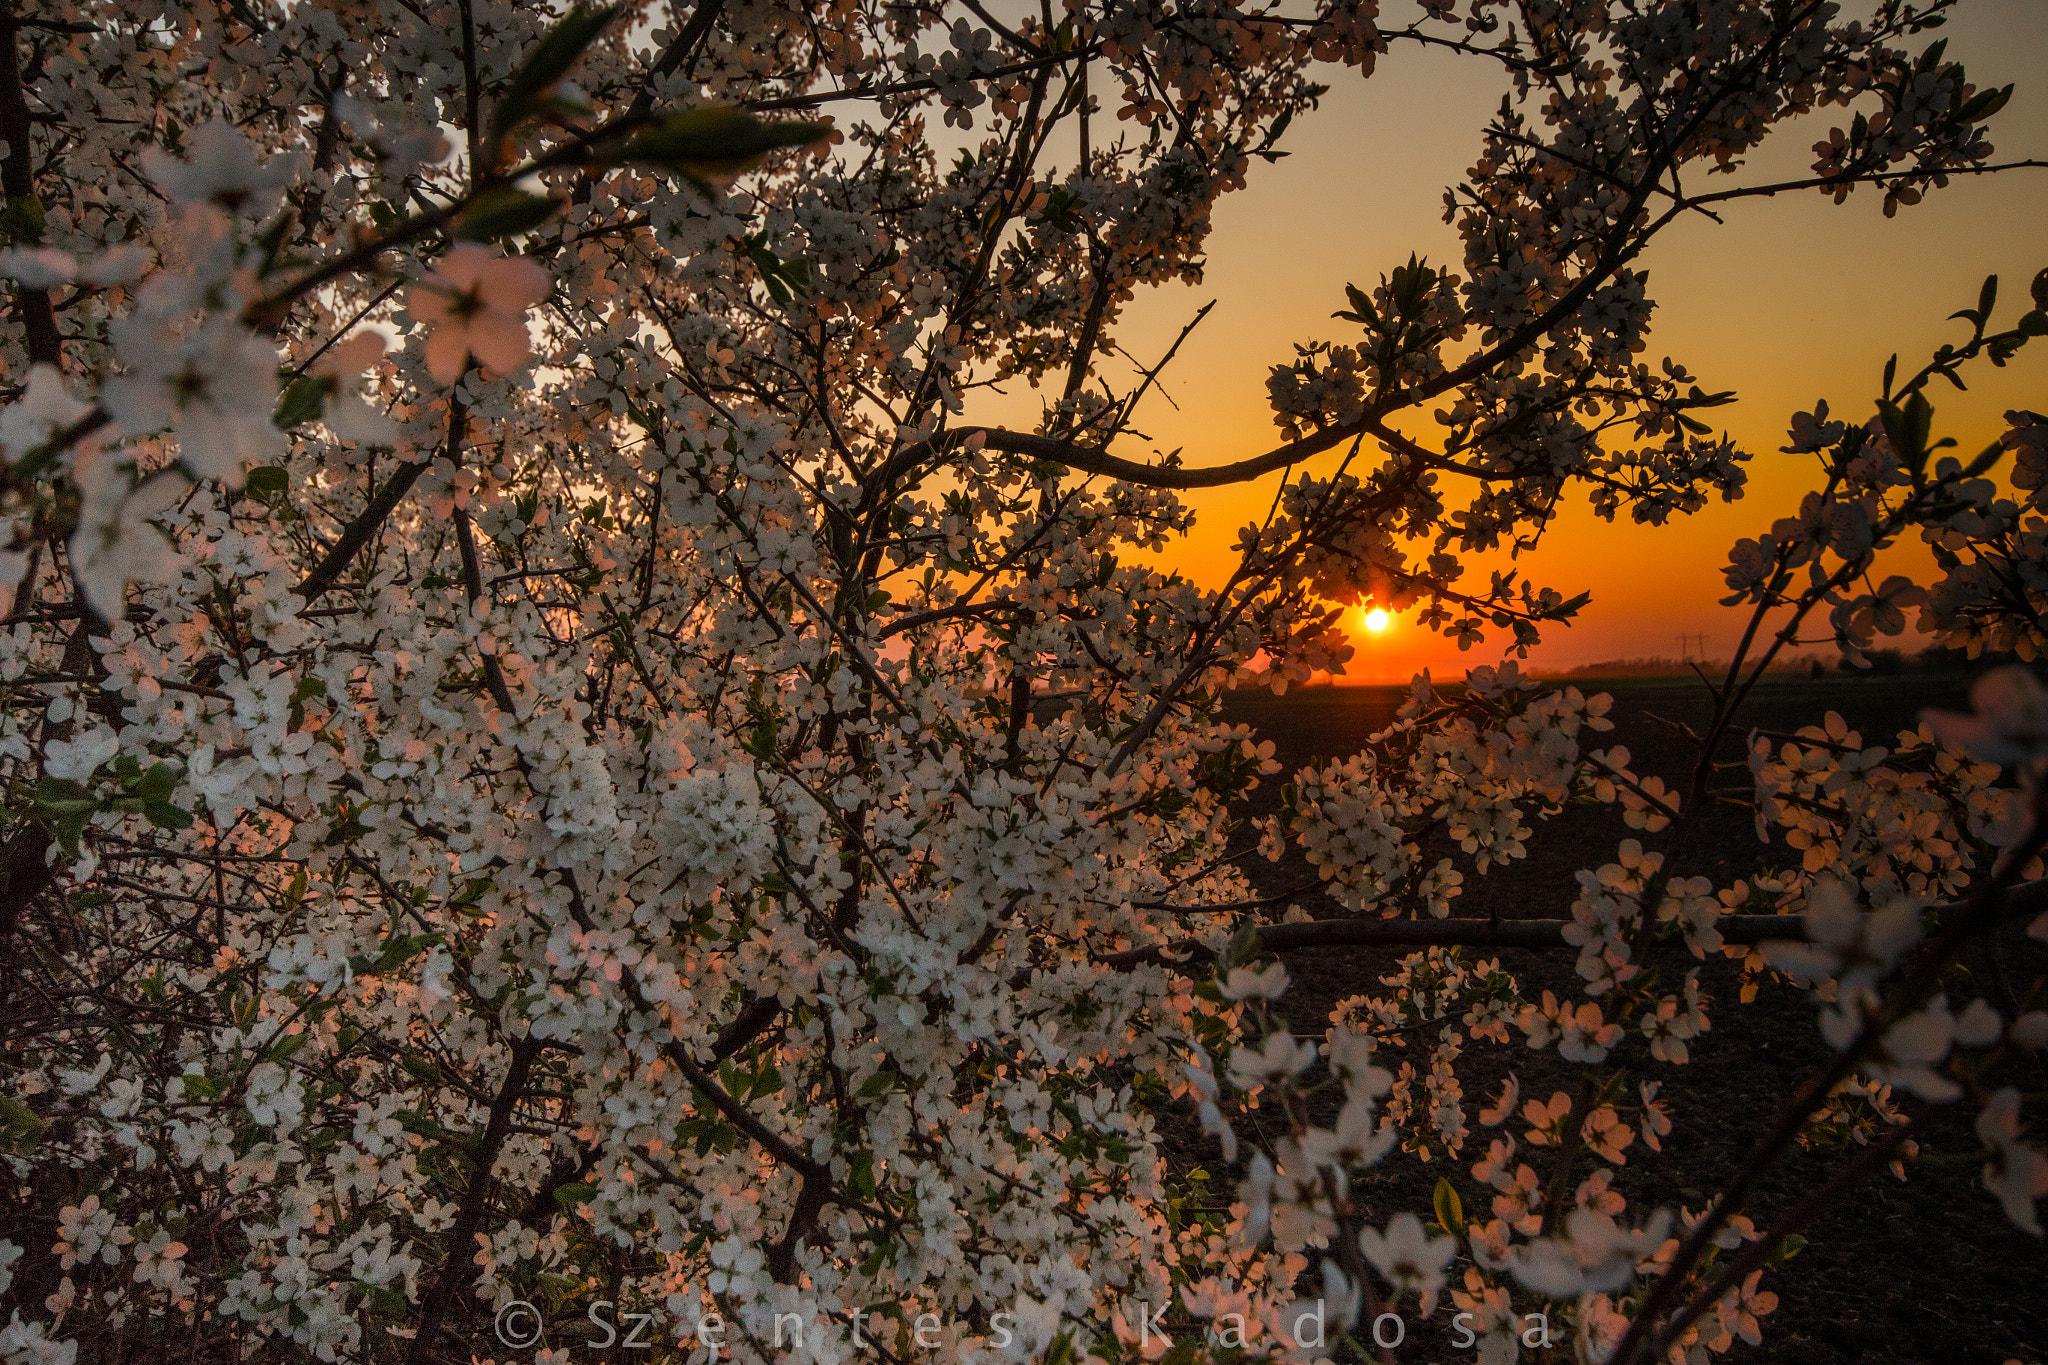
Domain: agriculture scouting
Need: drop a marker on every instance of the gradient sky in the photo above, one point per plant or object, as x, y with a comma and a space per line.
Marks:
1787, 301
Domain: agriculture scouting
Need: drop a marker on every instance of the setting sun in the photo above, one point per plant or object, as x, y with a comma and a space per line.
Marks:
1375, 620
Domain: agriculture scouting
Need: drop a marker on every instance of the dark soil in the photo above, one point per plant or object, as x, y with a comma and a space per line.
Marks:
1927, 1269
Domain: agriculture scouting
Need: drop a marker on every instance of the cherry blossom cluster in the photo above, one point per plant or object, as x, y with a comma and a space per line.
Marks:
547, 760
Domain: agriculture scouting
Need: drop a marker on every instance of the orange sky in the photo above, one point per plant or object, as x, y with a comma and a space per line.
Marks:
1788, 301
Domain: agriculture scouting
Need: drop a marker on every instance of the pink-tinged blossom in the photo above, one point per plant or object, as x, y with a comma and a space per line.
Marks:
1343, 1298
158, 1262
1845, 942
223, 171
215, 387
1596, 1255
1409, 1257
1668, 1029
1813, 431
722, 764
1359, 1139
2014, 1171
2010, 724
1495, 1114
1546, 1119
44, 407
1581, 1032
1215, 1298
45, 267
1255, 1192
274, 1098
1247, 983
115, 543
29, 1342
86, 1231
1655, 1123
1276, 1059
1739, 1312
38, 267
2030, 1030
347, 415
475, 303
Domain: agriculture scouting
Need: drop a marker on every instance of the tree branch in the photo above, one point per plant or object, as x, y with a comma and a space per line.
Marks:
2029, 899
18, 178
459, 1268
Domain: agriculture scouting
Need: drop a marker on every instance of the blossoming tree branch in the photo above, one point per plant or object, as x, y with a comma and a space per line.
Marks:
548, 764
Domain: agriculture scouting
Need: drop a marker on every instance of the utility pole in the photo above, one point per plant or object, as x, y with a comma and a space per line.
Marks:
1685, 647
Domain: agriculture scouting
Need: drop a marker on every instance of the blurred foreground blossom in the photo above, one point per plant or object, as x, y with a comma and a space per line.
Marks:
476, 304
115, 543
223, 172
2016, 1173
2011, 721
216, 388
346, 413
1409, 1257
1247, 983
44, 407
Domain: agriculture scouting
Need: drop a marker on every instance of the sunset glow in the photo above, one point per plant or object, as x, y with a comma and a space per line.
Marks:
1775, 302
1376, 620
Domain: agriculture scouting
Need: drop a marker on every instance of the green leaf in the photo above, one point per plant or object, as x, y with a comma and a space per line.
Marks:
1062, 211
472, 892
415, 1122
761, 743
23, 219
158, 783
198, 1087
504, 212
402, 949
164, 815
1791, 1246
550, 60
1450, 1210
1984, 104
1361, 311
301, 403
573, 1196
878, 1258
268, 480
560, 1289
715, 141
59, 797
21, 1127
1908, 425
